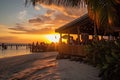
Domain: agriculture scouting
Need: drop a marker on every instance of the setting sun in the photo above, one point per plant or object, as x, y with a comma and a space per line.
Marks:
53, 37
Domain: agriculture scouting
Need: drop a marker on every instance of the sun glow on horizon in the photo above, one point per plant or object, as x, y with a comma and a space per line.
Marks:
53, 37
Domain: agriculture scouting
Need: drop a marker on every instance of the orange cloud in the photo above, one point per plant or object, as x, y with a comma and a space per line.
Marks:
36, 20
49, 12
57, 15
53, 18
68, 11
22, 30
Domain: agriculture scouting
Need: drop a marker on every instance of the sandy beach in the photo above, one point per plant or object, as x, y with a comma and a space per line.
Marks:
44, 66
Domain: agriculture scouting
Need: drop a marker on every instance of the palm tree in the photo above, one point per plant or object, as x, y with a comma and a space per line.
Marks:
104, 13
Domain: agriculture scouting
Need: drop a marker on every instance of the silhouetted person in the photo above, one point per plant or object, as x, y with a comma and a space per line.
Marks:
72, 42
4, 46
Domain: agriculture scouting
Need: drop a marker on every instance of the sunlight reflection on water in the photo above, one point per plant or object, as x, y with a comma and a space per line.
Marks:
14, 52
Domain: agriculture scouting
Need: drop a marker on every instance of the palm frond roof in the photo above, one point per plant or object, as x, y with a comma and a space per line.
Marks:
85, 25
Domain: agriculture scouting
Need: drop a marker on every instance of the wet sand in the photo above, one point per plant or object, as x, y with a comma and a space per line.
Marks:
44, 66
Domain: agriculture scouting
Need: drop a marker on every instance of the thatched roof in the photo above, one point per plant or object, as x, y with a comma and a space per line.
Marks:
84, 24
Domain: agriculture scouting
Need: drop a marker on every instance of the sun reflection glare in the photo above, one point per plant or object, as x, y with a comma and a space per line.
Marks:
53, 37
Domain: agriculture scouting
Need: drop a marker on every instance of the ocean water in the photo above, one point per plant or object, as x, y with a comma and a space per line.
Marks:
12, 51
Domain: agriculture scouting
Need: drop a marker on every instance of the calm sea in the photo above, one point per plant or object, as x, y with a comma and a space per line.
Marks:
9, 52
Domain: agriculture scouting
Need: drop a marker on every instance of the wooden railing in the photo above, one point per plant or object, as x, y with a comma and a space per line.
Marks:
72, 50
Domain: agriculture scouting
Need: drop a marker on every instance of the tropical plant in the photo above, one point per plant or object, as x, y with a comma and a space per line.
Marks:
104, 13
106, 56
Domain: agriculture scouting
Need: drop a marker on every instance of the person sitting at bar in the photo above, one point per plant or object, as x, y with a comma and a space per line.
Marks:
72, 41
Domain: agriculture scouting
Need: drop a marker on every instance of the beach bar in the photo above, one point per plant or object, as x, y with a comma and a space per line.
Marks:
83, 27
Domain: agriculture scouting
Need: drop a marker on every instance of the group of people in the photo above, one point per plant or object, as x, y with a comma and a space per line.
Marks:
84, 40
42, 47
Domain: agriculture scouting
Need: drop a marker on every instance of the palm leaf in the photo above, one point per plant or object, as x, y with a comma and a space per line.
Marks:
118, 1
65, 3
104, 13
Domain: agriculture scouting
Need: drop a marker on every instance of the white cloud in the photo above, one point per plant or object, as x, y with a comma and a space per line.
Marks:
22, 14
37, 8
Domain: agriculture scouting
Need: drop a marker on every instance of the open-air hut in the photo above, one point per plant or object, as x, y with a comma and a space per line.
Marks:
82, 27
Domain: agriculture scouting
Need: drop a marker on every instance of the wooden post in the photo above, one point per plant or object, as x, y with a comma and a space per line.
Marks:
68, 38
102, 37
60, 38
78, 30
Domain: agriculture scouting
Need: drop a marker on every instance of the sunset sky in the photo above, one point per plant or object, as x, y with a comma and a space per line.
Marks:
20, 24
